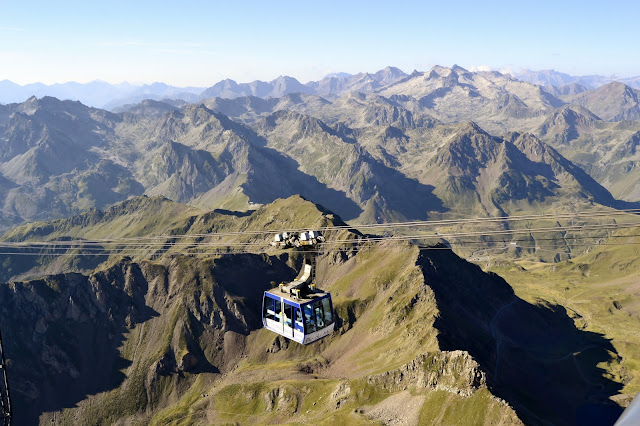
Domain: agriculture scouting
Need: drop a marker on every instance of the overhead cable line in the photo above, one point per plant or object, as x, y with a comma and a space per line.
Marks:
93, 244
585, 227
444, 222
141, 240
217, 248
154, 245
353, 249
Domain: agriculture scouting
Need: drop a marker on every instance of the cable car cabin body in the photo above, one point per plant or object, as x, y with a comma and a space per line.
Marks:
304, 320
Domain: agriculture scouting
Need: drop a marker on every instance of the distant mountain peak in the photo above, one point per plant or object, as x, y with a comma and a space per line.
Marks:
566, 124
440, 70
468, 127
338, 75
575, 112
614, 85
614, 101
156, 85
391, 70
459, 69
285, 78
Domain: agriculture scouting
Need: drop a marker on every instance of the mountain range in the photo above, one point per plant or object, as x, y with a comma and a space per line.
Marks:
550, 78
373, 160
110, 96
96, 93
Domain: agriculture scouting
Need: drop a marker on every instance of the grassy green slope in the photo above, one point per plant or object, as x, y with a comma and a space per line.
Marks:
600, 291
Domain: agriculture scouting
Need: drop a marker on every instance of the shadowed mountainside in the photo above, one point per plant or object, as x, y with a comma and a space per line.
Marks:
535, 356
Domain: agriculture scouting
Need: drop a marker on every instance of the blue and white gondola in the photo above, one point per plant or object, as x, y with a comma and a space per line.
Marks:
298, 310
304, 321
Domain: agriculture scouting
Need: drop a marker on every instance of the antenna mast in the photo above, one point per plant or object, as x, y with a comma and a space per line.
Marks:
5, 400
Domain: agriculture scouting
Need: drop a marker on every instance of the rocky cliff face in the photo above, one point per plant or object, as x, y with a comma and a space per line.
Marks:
118, 335
455, 372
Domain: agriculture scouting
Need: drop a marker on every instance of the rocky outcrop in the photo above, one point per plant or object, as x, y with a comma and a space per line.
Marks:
453, 371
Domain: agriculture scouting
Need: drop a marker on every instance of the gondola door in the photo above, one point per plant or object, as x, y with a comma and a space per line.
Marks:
289, 312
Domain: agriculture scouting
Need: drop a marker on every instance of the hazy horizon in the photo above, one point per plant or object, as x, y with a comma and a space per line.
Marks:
469, 68
198, 44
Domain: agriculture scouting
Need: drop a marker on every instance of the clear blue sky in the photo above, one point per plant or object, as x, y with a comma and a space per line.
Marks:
200, 43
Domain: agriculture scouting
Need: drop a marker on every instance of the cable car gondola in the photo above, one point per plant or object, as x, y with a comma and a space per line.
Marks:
298, 310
